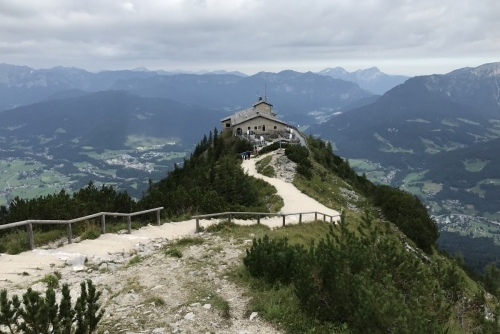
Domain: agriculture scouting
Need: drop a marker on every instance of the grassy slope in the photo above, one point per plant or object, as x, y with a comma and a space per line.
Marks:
279, 305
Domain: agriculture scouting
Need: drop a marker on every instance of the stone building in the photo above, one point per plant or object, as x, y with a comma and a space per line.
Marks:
259, 120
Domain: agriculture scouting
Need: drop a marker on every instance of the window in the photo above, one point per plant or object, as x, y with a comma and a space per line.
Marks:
255, 127
260, 127
275, 127
228, 125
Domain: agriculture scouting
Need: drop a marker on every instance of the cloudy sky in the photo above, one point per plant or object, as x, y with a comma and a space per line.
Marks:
409, 37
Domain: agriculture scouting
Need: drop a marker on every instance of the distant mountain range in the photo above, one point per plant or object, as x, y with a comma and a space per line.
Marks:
22, 85
371, 79
437, 136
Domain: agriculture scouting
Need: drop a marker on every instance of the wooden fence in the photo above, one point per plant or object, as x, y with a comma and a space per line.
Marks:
29, 223
230, 215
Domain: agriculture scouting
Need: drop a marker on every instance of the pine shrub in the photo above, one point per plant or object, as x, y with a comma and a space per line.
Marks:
273, 260
39, 314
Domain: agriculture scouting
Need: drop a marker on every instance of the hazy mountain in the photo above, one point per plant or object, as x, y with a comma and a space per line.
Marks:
425, 115
294, 94
21, 85
371, 79
103, 120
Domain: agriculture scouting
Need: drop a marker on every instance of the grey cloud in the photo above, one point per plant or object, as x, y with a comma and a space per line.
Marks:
206, 33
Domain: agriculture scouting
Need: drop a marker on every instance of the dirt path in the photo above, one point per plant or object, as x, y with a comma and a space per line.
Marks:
33, 265
294, 199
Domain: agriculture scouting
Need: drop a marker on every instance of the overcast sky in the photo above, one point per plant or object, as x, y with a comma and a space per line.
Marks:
410, 37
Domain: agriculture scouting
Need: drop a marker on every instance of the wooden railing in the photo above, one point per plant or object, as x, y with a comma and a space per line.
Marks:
29, 223
264, 214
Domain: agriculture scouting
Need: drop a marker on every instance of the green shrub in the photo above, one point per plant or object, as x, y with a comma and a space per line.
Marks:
221, 226
45, 237
39, 314
300, 155
273, 260
155, 299
264, 168
90, 231
363, 280
51, 280
188, 241
174, 252
15, 242
135, 260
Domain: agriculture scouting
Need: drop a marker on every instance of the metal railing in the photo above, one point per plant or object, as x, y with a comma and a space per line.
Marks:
29, 223
264, 214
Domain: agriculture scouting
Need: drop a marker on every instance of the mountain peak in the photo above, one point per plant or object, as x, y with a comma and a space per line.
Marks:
491, 69
371, 79
333, 71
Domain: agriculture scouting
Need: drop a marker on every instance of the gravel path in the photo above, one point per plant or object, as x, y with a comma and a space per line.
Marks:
189, 288
39, 262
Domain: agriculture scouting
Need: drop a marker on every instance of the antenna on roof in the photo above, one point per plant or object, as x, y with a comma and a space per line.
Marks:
265, 92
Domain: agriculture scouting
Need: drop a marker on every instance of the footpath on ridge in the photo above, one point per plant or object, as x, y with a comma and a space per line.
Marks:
33, 265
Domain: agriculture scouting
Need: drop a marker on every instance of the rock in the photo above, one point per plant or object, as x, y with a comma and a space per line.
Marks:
189, 316
253, 315
158, 330
207, 306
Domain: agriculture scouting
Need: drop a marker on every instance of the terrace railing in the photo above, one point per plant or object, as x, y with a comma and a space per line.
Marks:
29, 223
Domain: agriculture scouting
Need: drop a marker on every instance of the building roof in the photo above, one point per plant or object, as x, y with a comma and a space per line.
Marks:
261, 102
248, 114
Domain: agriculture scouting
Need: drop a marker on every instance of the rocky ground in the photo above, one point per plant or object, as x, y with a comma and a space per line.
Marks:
149, 291
146, 288
285, 168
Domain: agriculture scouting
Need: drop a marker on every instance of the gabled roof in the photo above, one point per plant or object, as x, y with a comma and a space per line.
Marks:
248, 114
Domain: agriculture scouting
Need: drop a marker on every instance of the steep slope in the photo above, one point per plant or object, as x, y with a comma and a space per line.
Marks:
437, 137
425, 115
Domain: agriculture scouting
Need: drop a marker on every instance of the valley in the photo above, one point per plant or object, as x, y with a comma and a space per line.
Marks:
27, 175
452, 213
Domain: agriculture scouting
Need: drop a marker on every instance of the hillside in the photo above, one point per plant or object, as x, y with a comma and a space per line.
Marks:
109, 137
435, 136
369, 247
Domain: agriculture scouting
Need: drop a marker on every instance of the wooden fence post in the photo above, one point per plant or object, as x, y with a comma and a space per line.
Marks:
129, 224
324, 218
230, 216
258, 219
197, 225
103, 224
315, 216
31, 240
300, 218
158, 217
284, 220
69, 232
